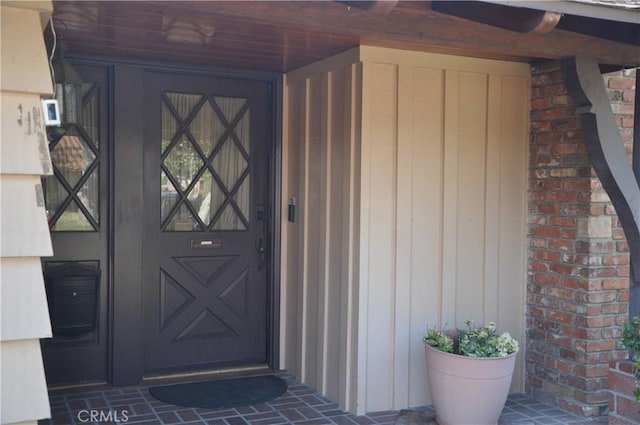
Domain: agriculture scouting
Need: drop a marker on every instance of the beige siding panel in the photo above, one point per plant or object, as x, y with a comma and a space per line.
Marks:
23, 302
402, 325
349, 274
325, 66
378, 215
470, 193
20, 32
320, 143
313, 213
424, 162
23, 392
25, 147
440, 61
24, 231
436, 244
512, 213
450, 200
43, 7
492, 196
333, 233
290, 231
409, 175
24, 234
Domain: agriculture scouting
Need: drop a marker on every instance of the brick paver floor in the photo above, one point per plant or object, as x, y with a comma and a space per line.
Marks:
300, 405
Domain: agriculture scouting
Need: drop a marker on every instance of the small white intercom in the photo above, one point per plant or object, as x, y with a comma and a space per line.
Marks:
51, 112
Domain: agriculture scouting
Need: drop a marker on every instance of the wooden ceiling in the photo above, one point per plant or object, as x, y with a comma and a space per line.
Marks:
281, 36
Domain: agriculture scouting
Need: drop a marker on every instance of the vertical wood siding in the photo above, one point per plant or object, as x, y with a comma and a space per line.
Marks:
443, 210
411, 213
320, 167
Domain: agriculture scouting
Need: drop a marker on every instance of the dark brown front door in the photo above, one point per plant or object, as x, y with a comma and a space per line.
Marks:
205, 222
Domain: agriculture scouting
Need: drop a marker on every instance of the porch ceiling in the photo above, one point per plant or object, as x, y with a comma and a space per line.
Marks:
285, 35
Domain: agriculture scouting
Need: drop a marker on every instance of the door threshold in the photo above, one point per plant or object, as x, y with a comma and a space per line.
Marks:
196, 375
207, 373
74, 387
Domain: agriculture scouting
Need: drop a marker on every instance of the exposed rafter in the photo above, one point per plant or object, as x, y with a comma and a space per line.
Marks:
606, 148
512, 18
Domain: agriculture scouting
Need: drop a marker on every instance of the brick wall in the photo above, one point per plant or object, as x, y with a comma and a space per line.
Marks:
623, 409
577, 290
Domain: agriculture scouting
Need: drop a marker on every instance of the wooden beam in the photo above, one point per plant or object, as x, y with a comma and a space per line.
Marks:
518, 19
623, 32
413, 26
606, 148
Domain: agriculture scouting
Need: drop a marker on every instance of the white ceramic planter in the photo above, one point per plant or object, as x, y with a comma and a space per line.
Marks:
468, 390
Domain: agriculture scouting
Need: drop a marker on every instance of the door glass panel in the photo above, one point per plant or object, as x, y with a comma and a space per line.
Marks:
229, 220
55, 195
90, 113
183, 104
75, 158
183, 162
242, 199
169, 196
200, 173
72, 220
230, 108
206, 128
210, 200
169, 127
72, 157
88, 194
183, 221
229, 164
242, 130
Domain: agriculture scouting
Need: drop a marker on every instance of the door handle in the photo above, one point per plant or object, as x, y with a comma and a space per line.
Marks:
261, 249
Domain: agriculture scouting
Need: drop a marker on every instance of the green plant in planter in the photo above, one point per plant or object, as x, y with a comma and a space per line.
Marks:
470, 367
473, 341
438, 339
631, 341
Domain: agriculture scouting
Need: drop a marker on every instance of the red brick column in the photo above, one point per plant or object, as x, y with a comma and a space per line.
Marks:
577, 290
623, 409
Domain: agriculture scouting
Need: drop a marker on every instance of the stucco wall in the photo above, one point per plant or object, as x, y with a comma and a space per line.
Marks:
438, 236
24, 234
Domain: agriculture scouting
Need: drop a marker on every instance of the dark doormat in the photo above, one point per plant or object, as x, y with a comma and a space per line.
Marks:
222, 393
416, 417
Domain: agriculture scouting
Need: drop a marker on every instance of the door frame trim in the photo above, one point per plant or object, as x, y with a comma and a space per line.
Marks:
126, 101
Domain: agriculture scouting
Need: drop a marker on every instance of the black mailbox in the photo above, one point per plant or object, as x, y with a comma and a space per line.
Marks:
72, 292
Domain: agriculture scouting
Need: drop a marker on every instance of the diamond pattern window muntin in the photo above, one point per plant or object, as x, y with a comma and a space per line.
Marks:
218, 180
72, 193
73, 219
229, 153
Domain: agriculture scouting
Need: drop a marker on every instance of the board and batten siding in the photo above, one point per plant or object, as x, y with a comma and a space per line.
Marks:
422, 222
24, 233
319, 267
